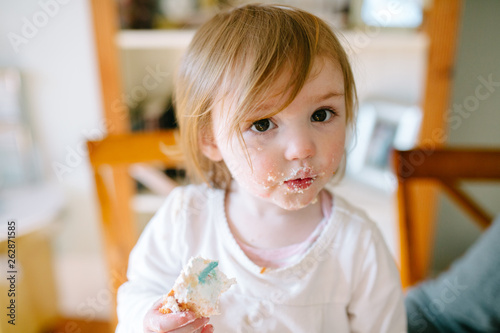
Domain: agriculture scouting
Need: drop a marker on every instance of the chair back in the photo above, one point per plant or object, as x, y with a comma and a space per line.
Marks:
110, 159
446, 167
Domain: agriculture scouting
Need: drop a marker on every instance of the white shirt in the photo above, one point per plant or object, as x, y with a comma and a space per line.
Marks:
346, 282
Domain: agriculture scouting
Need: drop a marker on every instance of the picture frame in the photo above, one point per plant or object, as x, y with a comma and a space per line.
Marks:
381, 126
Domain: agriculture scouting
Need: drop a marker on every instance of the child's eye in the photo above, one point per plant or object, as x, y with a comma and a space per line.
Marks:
262, 125
322, 115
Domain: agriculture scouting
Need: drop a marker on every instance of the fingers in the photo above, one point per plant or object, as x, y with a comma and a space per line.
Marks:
207, 329
168, 322
195, 326
181, 322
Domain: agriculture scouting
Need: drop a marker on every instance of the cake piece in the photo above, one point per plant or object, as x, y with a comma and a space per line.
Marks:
197, 288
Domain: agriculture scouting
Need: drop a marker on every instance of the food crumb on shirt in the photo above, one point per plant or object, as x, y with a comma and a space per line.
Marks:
263, 270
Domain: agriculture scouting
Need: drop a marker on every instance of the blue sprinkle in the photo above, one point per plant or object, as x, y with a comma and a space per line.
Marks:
204, 273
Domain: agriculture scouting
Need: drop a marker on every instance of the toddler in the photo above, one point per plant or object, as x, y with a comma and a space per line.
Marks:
265, 98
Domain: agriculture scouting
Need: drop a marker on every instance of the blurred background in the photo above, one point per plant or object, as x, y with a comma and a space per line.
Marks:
54, 74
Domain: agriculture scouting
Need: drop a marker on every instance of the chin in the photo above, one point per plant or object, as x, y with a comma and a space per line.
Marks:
295, 201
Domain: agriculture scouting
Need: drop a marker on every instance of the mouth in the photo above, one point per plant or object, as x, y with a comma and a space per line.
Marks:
300, 179
299, 184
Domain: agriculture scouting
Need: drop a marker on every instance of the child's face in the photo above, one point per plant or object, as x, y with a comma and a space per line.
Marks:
294, 153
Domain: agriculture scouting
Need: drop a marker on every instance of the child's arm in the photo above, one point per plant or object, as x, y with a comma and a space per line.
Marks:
377, 303
154, 264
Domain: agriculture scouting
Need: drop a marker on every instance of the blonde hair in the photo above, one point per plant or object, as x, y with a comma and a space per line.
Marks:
242, 53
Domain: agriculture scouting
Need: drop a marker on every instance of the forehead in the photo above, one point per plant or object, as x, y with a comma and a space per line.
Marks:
328, 69
325, 78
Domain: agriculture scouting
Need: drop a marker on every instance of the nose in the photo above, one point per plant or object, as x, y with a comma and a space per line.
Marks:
299, 145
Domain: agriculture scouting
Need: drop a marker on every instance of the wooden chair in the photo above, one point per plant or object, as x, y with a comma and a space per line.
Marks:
446, 167
111, 159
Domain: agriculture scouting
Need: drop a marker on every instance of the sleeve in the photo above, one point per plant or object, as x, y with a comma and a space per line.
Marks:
377, 303
464, 298
154, 264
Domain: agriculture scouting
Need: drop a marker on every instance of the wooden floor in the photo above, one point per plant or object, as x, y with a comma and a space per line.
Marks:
81, 326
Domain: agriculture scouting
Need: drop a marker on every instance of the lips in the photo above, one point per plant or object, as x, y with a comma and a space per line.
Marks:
299, 183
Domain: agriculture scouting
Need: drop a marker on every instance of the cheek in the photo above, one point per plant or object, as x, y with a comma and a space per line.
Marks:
265, 169
335, 153
256, 173
264, 163
237, 165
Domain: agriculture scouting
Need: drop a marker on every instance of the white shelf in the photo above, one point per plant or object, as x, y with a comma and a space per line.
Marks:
154, 39
359, 40
386, 41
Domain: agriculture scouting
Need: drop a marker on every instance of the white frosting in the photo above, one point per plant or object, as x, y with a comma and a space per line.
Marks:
171, 303
200, 285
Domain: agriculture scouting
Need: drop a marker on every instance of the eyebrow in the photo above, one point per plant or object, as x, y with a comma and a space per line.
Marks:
328, 95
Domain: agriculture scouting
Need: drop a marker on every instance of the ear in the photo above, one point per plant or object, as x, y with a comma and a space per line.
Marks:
209, 146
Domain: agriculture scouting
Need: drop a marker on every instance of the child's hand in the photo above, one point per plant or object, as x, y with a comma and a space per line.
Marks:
181, 322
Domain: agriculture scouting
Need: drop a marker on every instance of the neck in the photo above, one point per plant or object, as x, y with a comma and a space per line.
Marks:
256, 221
